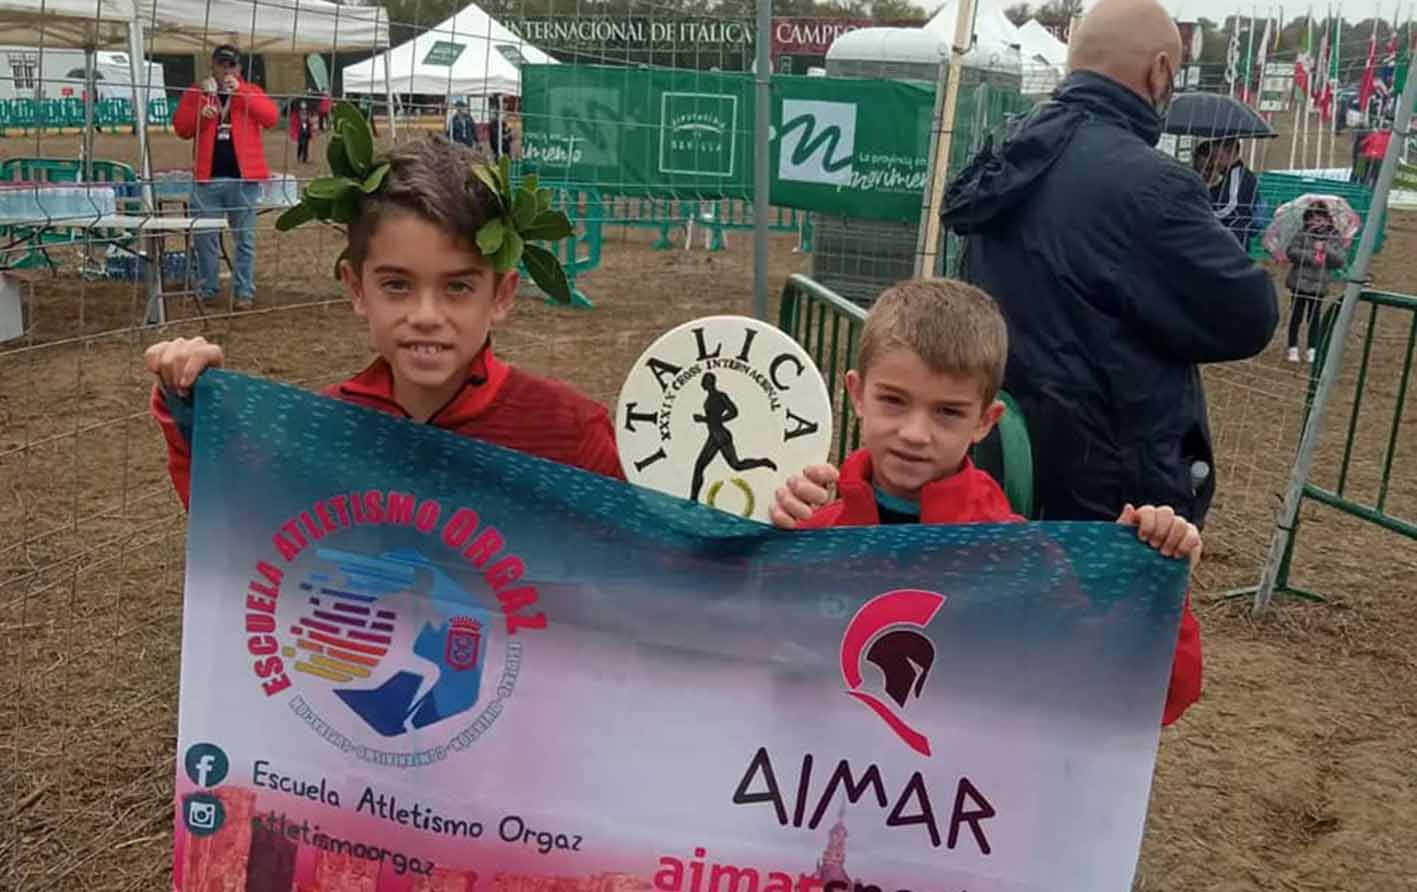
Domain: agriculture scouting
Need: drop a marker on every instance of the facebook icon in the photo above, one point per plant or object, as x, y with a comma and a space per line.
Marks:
206, 764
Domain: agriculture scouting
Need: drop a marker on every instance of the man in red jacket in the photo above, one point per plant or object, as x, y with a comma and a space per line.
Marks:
225, 115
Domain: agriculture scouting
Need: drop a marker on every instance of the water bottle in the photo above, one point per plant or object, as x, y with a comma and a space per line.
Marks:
1199, 472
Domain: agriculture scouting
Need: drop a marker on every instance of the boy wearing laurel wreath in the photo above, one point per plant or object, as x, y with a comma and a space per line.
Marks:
435, 239
928, 371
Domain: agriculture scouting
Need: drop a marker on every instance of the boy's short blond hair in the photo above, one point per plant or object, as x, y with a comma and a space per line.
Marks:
954, 328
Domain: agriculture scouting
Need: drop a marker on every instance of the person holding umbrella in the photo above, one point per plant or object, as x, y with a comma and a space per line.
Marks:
1313, 253
1314, 234
1234, 188
1220, 122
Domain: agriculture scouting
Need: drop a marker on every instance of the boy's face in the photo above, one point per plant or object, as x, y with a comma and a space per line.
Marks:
917, 424
430, 301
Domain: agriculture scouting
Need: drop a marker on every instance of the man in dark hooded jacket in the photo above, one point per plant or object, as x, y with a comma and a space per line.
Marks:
1234, 188
1115, 277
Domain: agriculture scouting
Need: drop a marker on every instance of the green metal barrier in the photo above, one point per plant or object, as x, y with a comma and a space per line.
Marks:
716, 217
828, 326
1374, 510
27, 115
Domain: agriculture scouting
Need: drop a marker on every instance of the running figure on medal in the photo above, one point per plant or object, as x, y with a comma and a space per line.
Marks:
718, 411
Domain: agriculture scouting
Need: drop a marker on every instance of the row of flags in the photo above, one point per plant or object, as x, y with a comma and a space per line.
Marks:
1316, 71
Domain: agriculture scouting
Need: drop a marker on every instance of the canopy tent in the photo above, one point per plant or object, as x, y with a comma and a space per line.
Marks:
263, 26
1045, 59
996, 40
184, 26
1039, 41
190, 26
469, 54
74, 24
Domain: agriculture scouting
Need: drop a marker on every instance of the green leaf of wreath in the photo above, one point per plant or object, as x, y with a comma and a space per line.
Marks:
329, 188
549, 226
321, 208
488, 177
339, 160
524, 209
346, 205
294, 217
507, 257
352, 127
545, 270
375, 179
504, 174
491, 236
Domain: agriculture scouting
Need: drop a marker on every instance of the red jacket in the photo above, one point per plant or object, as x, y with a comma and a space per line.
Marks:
498, 404
295, 124
251, 110
972, 496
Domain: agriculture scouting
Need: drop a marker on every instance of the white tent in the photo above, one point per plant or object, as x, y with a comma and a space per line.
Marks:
1039, 42
996, 40
470, 54
190, 26
155, 26
75, 24
1045, 59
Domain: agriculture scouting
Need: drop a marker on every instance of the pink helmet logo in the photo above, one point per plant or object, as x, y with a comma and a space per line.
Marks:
888, 632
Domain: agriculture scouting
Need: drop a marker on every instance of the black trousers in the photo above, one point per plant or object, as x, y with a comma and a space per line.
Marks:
1300, 306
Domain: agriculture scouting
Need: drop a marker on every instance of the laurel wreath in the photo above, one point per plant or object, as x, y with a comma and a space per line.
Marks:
523, 213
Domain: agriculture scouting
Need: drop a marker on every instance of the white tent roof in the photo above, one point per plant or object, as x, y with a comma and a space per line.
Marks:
1039, 41
183, 26
996, 39
909, 45
262, 26
65, 23
485, 58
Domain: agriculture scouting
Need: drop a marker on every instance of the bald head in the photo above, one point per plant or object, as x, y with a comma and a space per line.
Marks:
1134, 42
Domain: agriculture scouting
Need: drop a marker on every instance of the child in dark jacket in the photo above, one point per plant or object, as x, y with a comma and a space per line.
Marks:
929, 366
300, 130
1313, 252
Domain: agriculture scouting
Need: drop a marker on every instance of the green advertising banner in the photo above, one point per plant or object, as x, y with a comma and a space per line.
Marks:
667, 133
848, 146
839, 145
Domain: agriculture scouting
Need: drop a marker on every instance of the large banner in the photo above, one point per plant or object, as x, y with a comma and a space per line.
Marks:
841, 145
413, 661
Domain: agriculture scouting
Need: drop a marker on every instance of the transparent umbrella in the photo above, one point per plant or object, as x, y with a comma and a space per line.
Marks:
1289, 219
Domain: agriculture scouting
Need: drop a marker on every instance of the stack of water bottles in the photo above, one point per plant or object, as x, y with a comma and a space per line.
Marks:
124, 265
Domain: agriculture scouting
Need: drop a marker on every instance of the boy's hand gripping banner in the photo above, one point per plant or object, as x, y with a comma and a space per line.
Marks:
412, 661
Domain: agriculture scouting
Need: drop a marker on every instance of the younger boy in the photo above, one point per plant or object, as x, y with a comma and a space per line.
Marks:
928, 369
414, 274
